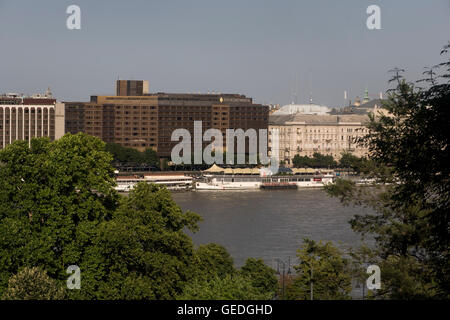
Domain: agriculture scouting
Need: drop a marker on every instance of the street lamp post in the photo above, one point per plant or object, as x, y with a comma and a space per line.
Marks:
312, 284
283, 266
363, 288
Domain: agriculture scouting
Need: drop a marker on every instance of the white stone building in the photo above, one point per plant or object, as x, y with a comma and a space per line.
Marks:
304, 135
24, 118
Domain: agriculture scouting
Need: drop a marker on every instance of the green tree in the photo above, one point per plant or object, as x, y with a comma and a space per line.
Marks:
317, 161
150, 157
323, 265
323, 161
230, 287
409, 154
261, 276
130, 156
213, 259
301, 161
143, 252
59, 197
52, 194
405, 278
33, 284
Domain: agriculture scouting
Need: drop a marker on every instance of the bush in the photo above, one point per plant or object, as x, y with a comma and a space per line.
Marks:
33, 284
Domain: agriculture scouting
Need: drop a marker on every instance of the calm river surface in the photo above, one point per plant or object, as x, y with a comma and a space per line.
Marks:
269, 224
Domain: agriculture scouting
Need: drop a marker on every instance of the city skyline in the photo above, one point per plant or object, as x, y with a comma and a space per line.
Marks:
259, 49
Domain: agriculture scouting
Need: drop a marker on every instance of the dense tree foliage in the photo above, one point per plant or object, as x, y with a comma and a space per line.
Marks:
33, 284
142, 252
213, 260
317, 161
350, 161
323, 265
214, 277
59, 197
409, 153
262, 276
124, 156
230, 287
53, 195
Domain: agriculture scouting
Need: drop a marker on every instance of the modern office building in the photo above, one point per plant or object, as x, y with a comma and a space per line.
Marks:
23, 118
148, 120
326, 134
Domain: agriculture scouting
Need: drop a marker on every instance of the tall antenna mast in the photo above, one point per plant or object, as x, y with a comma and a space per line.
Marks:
294, 91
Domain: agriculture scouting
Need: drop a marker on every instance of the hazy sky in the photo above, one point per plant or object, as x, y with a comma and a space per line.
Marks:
250, 47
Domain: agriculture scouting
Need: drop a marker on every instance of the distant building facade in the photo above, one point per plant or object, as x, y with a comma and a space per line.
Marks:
326, 134
374, 106
24, 118
148, 120
131, 87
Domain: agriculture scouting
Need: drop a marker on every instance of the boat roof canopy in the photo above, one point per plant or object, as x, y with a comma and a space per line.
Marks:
250, 171
214, 168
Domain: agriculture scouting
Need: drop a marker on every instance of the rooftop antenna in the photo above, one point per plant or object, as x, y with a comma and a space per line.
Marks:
291, 91
48, 93
310, 98
346, 98
294, 93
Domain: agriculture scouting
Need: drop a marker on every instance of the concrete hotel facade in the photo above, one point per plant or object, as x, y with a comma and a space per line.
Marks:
27, 118
131, 87
148, 120
326, 134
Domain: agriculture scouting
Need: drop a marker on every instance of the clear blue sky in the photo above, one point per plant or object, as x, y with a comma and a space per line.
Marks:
251, 47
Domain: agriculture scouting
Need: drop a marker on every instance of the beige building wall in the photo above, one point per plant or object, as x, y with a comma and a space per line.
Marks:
326, 134
59, 120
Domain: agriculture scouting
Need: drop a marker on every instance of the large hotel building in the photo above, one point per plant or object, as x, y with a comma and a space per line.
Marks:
138, 119
23, 118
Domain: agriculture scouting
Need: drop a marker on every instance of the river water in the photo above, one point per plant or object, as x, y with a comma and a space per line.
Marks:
269, 224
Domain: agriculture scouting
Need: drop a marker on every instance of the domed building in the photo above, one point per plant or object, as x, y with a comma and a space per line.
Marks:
303, 109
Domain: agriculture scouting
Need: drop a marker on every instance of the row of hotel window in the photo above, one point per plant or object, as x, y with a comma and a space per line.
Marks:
191, 108
317, 137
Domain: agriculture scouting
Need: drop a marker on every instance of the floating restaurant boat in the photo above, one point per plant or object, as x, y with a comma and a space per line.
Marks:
247, 182
171, 182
